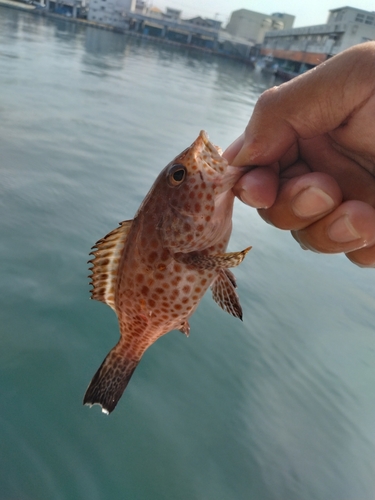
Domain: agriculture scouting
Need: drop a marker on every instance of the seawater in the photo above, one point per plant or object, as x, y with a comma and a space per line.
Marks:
281, 406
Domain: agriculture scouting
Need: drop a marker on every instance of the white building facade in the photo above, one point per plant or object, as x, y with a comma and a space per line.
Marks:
112, 12
311, 45
252, 26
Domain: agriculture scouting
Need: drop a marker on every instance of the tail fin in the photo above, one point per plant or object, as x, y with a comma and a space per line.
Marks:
110, 381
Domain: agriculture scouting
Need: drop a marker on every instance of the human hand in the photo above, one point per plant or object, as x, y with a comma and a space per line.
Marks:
312, 144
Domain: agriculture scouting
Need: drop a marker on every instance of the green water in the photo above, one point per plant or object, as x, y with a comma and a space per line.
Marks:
281, 406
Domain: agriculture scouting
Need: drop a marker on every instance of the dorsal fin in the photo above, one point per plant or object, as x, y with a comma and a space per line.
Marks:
105, 263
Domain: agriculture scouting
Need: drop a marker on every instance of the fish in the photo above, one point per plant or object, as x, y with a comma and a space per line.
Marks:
153, 270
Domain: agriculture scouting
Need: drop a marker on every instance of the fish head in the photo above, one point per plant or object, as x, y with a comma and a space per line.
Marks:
197, 197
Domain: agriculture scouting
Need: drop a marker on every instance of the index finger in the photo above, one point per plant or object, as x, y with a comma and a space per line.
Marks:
312, 104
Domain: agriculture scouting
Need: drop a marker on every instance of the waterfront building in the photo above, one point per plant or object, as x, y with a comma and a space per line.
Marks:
112, 12
195, 32
140, 6
170, 27
208, 23
252, 26
69, 8
134, 16
173, 14
298, 49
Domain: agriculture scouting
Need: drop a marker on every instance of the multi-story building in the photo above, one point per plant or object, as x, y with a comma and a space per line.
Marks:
69, 8
253, 26
299, 49
173, 14
134, 16
112, 12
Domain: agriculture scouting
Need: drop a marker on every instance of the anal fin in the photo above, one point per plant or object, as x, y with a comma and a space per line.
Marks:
224, 293
185, 328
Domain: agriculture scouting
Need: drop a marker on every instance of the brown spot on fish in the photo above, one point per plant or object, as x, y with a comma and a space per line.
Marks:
154, 270
152, 257
165, 255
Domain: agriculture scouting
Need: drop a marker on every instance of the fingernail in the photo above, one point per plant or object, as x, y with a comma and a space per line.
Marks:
244, 196
312, 201
342, 231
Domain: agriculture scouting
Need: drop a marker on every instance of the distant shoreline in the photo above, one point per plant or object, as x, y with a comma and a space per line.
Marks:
42, 12
162, 41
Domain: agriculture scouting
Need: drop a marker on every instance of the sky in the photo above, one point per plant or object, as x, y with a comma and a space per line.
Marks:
306, 13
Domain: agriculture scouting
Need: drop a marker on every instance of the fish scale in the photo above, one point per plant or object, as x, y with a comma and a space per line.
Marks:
154, 270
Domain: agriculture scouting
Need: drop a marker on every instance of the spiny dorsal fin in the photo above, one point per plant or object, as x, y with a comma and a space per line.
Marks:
224, 293
105, 263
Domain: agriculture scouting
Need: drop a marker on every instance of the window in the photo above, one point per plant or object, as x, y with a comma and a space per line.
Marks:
369, 20
338, 16
360, 18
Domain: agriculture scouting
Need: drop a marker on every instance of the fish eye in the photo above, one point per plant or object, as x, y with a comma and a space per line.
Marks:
177, 174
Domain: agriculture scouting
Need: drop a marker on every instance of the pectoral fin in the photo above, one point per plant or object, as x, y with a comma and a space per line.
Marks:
231, 277
105, 263
224, 293
218, 261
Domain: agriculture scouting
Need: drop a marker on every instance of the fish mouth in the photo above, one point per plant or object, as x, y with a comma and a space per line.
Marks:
212, 160
209, 153
214, 149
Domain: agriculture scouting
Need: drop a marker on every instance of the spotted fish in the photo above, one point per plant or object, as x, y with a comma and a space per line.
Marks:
153, 270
